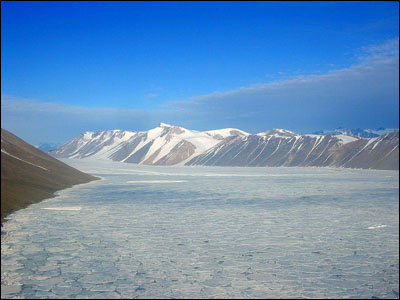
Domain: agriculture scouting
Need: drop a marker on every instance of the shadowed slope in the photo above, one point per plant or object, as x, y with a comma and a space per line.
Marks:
303, 151
29, 175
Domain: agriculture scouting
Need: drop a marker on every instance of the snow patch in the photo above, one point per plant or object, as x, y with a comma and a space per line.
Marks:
5, 152
377, 226
156, 181
226, 132
345, 139
66, 208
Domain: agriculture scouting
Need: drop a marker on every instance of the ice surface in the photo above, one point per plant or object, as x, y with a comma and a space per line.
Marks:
63, 208
208, 232
377, 226
156, 181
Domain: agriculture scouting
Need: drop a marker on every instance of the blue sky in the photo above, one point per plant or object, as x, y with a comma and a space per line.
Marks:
70, 67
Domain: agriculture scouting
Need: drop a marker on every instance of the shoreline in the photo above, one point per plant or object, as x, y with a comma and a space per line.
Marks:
6, 215
106, 160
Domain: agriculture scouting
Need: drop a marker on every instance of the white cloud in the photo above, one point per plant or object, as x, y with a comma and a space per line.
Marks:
151, 95
389, 48
9, 103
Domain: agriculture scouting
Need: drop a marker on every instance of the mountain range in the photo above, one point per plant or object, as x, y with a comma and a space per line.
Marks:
172, 145
365, 133
29, 175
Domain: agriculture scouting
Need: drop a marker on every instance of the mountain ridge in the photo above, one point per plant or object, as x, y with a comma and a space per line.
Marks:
171, 145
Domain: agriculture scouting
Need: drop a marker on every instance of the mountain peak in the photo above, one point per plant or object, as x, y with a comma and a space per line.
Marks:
164, 125
277, 132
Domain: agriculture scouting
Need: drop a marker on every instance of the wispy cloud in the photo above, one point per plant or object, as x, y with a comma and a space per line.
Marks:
362, 94
389, 48
151, 95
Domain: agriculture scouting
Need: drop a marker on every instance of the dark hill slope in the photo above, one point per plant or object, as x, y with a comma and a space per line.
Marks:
29, 175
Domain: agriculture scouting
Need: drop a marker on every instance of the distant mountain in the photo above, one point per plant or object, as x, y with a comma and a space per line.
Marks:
381, 130
170, 145
48, 146
365, 133
29, 175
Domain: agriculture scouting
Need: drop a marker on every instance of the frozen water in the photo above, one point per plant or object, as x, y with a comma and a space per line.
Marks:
377, 226
62, 208
208, 232
155, 181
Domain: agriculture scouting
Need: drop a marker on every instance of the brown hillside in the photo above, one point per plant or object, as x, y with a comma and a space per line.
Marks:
29, 175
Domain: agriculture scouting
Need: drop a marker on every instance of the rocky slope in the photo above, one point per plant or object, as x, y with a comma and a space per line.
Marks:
29, 175
288, 149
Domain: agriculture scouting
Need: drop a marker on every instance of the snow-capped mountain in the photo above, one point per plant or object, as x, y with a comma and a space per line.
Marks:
381, 130
364, 133
163, 145
171, 145
48, 146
